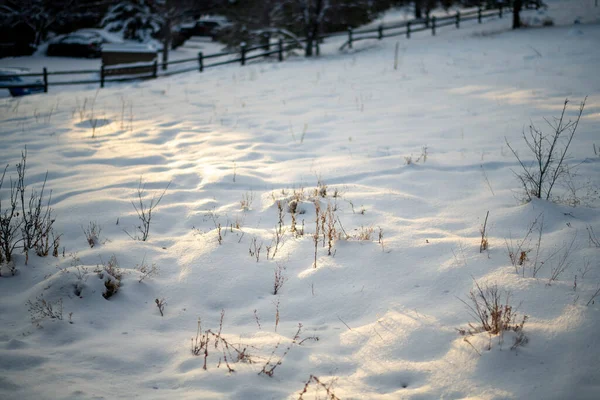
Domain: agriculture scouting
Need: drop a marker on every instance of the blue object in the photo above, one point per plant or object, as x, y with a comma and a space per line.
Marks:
10, 79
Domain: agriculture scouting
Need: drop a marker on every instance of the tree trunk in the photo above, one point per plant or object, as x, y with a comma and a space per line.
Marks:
517, 5
166, 42
418, 9
308, 52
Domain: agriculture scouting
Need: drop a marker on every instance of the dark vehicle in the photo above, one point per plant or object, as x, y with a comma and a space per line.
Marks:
76, 46
204, 27
16, 49
10, 79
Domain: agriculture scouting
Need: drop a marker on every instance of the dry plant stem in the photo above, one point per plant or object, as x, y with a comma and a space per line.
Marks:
161, 306
269, 368
279, 279
562, 263
318, 383
487, 180
536, 266
591, 300
594, 240
276, 314
257, 319
484, 242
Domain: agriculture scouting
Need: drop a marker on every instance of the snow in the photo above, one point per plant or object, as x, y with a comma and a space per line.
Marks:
385, 315
129, 48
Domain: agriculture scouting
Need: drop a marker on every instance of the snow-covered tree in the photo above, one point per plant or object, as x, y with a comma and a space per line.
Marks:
134, 19
143, 20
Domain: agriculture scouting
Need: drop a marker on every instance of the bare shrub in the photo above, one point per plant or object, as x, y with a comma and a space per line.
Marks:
563, 262
538, 177
92, 233
364, 233
41, 309
493, 314
144, 211
36, 214
31, 216
10, 225
246, 201
518, 252
146, 270
254, 249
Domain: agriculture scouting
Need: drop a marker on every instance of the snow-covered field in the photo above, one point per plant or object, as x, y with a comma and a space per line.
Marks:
416, 153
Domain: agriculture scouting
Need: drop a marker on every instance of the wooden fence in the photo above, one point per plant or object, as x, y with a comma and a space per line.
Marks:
124, 73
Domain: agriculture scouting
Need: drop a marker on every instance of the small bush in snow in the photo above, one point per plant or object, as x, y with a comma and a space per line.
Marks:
112, 275
549, 151
92, 233
144, 211
26, 221
146, 270
493, 314
10, 225
41, 309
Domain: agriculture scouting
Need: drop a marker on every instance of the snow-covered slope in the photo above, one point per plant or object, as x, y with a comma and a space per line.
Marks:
233, 142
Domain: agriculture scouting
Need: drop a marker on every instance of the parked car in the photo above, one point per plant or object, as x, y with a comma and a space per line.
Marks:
76, 45
207, 26
9, 77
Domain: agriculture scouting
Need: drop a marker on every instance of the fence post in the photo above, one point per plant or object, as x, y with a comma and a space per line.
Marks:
155, 69
380, 32
102, 76
427, 19
201, 61
479, 14
349, 37
45, 80
408, 30
457, 19
280, 53
433, 25
243, 50
500, 11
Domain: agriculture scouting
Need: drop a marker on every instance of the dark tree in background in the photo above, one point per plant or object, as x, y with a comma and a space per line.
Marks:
40, 16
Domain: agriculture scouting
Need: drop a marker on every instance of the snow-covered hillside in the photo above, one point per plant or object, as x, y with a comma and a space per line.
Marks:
403, 164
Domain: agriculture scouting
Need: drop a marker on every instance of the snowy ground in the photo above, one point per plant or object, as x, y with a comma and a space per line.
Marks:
386, 314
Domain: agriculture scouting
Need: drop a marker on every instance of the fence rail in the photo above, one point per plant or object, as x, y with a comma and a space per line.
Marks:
107, 74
